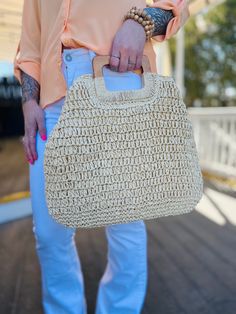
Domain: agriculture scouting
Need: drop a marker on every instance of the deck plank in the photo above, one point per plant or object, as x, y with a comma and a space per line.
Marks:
14, 238
188, 271
211, 254
13, 167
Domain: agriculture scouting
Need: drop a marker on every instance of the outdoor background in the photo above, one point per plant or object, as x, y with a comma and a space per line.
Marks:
191, 258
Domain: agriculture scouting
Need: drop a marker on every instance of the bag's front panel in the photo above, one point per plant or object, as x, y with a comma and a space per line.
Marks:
105, 166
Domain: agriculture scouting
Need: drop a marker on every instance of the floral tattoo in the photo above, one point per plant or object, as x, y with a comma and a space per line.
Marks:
161, 19
30, 88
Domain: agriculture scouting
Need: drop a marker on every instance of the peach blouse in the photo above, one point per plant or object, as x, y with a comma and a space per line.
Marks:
46, 25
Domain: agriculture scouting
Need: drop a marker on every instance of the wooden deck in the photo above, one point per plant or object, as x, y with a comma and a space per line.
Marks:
13, 167
192, 266
191, 258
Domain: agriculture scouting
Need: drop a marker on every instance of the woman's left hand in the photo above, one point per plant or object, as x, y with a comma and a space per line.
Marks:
128, 45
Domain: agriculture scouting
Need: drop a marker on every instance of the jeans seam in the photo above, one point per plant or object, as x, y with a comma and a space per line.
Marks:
143, 268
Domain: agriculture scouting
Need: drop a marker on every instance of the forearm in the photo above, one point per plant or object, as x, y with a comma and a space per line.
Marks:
30, 88
161, 19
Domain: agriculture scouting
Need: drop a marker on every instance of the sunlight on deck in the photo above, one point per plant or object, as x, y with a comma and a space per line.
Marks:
218, 207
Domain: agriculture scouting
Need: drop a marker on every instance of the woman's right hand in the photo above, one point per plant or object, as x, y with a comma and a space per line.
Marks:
33, 120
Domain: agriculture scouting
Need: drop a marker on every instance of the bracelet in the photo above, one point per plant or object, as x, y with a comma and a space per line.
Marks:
161, 19
142, 18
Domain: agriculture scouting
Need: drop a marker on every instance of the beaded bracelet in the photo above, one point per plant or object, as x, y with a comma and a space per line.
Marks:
142, 18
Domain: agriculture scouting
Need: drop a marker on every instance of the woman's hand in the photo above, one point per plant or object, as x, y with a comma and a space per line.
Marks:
33, 120
127, 47
33, 115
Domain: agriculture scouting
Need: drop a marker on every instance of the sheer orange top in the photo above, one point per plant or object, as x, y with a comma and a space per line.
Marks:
46, 25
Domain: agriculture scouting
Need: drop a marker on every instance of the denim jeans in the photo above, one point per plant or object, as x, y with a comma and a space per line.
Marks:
122, 287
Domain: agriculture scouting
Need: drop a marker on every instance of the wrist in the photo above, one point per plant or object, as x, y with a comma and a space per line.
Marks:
142, 18
29, 102
136, 25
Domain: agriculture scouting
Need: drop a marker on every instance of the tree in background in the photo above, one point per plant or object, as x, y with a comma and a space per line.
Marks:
210, 57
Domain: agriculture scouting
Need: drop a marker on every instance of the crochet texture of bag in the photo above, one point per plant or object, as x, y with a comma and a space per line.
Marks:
120, 156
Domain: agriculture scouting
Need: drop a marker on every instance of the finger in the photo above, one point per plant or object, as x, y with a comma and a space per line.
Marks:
42, 127
25, 142
139, 62
114, 58
31, 134
27, 151
132, 62
114, 62
32, 144
123, 66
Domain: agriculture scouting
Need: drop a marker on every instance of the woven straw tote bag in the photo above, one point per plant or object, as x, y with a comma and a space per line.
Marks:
121, 156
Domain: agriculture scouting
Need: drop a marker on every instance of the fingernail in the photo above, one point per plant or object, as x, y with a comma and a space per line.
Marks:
31, 161
44, 137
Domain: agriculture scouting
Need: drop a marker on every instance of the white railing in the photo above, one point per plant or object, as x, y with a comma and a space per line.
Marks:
215, 136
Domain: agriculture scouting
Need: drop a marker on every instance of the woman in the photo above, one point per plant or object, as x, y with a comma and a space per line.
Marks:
58, 42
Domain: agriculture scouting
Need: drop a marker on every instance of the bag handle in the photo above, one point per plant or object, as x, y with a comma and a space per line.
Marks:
99, 61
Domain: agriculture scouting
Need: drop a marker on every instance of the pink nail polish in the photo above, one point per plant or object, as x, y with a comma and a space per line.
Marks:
44, 137
31, 161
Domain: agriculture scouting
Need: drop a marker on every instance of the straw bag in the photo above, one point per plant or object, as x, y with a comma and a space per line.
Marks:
120, 156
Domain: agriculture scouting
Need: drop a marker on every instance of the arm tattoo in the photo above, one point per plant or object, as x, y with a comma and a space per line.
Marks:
30, 88
161, 19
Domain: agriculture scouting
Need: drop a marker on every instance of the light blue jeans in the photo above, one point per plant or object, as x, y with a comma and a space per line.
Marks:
122, 288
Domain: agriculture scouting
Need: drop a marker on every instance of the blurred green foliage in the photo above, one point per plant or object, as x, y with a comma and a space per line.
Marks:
210, 56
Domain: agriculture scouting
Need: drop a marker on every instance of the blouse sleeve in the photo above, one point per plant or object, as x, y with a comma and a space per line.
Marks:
180, 11
27, 57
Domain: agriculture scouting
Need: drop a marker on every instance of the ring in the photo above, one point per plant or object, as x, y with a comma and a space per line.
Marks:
131, 63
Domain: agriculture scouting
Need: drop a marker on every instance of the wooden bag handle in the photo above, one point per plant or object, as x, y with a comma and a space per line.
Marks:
99, 61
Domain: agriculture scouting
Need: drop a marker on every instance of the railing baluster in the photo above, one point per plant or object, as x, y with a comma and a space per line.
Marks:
215, 134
